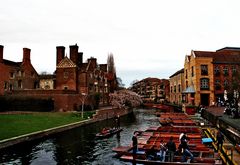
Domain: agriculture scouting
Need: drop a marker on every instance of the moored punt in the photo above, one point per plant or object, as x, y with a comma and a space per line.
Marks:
177, 160
151, 140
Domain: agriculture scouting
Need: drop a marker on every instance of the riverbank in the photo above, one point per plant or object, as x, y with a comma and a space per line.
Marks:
101, 114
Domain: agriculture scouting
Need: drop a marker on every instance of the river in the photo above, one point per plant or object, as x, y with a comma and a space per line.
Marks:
79, 145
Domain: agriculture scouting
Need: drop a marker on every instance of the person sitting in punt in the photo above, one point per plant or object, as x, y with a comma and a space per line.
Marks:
105, 131
162, 152
151, 153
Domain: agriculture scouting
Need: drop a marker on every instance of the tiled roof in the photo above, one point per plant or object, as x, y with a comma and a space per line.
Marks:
203, 53
150, 79
47, 76
227, 56
66, 63
178, 72
12, 63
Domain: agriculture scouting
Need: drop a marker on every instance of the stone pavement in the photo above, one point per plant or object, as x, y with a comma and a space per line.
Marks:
229, 149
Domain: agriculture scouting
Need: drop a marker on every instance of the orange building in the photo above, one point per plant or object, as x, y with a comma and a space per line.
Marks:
207, 74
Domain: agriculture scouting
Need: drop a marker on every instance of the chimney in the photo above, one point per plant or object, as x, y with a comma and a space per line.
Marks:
74, 53
93, 62
1, 53
80, 58
103, 67
26, 55
60, 53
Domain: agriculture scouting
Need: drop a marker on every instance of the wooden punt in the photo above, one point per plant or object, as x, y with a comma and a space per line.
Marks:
110, 132
177, 160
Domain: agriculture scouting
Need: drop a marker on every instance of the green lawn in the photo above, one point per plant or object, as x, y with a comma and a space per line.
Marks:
12, 125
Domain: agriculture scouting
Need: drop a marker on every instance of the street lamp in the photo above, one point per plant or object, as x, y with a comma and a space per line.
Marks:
96, 86
84, 96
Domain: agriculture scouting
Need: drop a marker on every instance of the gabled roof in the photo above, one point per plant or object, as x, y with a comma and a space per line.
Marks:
66, 63
203, 54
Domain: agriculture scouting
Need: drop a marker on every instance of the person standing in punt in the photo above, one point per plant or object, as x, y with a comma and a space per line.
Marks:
220, 139
134, 146
185, 149
171, 148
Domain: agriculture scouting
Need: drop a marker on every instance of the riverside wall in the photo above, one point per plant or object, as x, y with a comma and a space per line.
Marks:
101, 114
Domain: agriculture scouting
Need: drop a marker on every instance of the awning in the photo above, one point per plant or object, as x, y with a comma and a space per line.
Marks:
189, 90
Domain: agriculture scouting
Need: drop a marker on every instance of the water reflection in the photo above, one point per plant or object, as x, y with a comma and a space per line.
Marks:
79, 146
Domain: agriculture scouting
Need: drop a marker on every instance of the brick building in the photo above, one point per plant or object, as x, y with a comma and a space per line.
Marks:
152, 89
73, 74
207, 74
72, 81
176, 86
17, 75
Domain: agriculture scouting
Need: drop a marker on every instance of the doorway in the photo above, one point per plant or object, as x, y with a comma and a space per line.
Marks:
205, 99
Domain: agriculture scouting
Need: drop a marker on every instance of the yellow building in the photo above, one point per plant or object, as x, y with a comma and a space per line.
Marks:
176, 86
199, 82
208, 74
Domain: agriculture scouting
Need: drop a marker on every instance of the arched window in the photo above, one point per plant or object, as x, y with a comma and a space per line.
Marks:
204, 84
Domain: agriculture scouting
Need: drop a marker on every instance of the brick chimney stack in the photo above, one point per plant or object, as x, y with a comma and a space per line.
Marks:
74, 53
26, 55
103, 67
1, 53
80, 58
60, 54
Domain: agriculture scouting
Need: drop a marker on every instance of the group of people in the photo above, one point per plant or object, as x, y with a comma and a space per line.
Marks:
152, 153
169, 147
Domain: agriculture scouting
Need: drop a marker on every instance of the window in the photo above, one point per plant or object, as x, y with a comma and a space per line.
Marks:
179, 88
217, 85
23, 73
204, 84
216, 71
32, 74
234, 69
192, 71
225, 83
225, 71
175, 89
65, 75
19, 83
5, 85
186, 74
11, 75
186, 84
171, 89
204, 70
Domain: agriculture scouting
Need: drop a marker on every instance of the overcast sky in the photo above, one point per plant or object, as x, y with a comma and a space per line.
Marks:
148, 38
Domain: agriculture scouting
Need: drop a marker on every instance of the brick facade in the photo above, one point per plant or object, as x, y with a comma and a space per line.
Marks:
152, 89
72, 80
17, 75
176, 86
